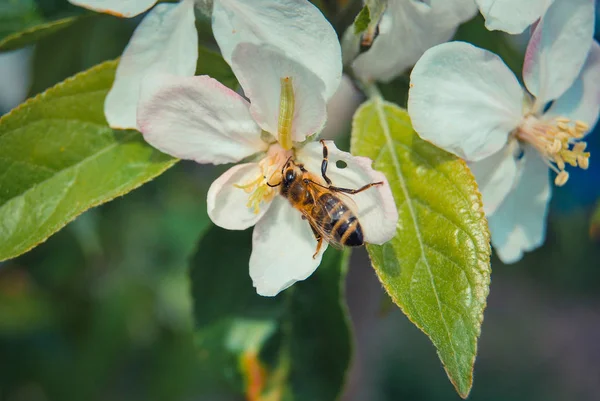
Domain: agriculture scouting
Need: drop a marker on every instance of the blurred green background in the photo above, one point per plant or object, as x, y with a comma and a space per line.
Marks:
102, 309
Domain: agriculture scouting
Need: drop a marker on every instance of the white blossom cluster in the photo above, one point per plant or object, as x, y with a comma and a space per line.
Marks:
462, 98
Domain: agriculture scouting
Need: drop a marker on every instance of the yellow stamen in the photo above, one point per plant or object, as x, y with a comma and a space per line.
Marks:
581, 126
561, 179
558, 143
258, 188
287, 105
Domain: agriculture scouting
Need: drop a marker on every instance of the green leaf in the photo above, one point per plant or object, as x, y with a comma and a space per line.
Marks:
34, 33
437, 267
213, 64
296, 344
362, 20
16, 15
59, 158
85, 43
24, 22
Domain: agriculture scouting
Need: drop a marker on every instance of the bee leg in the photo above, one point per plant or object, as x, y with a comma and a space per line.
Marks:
319, 243
355, 191
324, 163
319, 240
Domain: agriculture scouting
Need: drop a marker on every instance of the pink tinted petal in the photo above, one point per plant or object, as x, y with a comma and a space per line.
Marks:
406, 31
165, 42
582, 100
375, 207
197, 118
119, 8
512, 16
558, 48
294, 27
495, 177
227, 204
519, 223
464, 99
259, 71
282, 249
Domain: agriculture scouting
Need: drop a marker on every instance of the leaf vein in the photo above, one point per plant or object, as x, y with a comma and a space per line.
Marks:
390, 144
77, 164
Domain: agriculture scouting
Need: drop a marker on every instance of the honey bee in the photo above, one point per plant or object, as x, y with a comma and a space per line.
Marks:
329, 216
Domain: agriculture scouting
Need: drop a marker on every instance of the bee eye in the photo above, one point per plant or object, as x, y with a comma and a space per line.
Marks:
289, 176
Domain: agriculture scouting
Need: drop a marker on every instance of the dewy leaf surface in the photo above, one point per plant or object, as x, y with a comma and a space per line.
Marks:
296, 344
437, 267
58, 158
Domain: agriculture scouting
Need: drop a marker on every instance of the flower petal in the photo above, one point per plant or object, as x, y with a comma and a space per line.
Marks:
197, 118
495, 176
259, 70
227, 204
511, 16
558, 48
166, 41
519, 224
375, 206
581, 102
464, 100
118, 8
419, 26
341, 108
283, 245
456, 11
296, 28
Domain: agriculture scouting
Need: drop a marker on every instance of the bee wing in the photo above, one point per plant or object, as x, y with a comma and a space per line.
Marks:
320, 232
316, 191
348, 201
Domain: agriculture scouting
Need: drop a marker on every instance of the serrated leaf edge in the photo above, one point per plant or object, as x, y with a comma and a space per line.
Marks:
40, 97
58, 86
379, 105
17, 35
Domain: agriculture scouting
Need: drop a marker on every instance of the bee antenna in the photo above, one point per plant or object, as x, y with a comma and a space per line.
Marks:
285, 164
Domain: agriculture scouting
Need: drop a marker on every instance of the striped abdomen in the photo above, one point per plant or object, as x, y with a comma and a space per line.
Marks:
337, 221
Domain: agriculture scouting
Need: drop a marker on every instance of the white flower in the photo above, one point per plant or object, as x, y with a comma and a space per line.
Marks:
341, 108
198, 118
166, 42
465, 100
514, 16
406, 30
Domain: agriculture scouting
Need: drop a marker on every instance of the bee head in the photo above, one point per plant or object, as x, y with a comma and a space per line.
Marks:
290, 172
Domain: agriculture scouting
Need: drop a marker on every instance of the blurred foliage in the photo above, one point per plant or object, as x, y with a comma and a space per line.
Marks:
106, 302
87, 42
293, 346
102, 310
24, 22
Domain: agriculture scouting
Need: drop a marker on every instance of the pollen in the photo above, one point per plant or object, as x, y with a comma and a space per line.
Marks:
258, 188
558, 141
